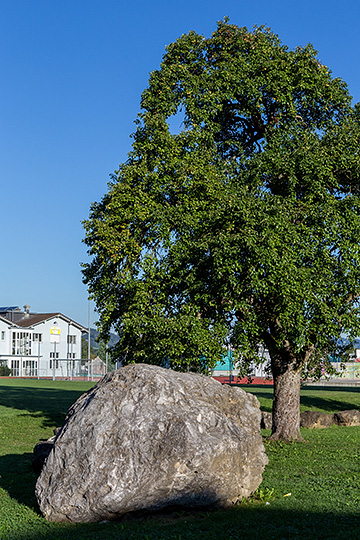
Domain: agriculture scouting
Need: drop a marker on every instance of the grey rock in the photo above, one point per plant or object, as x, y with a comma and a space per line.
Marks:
316, 419
266, 420
41, 451
347, 418
146, 437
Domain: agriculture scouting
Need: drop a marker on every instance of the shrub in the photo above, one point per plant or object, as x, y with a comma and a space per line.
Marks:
5, 371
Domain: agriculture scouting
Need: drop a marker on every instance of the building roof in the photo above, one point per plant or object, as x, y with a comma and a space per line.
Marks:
35, 319
5, 319
32, 320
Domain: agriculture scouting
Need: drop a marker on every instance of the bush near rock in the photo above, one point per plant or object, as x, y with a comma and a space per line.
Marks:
316, 419
146, 437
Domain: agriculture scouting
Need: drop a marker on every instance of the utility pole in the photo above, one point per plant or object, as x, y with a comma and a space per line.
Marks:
89, 360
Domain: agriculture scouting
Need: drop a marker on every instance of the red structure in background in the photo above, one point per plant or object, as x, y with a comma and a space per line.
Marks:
244, 380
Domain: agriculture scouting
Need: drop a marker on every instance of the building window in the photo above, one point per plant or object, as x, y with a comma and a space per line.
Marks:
30, 368
15, 368
21, 343
71, 339
71, 355
54, 362
37, 337
2, 335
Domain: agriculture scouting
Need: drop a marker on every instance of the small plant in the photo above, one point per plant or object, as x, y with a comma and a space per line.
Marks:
263, 494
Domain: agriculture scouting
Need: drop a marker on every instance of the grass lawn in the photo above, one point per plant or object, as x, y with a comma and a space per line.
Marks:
310, 490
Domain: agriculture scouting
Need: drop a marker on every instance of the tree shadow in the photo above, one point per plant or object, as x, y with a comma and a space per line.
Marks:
326, 404
50, 403
313, 397
248, 523
354, 389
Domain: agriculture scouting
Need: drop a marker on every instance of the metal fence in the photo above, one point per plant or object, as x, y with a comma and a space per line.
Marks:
59, 368
81, 369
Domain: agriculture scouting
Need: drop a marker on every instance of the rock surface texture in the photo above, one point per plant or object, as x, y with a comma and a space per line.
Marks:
347, 418
266, 420
146, 437
41, 451
316, 419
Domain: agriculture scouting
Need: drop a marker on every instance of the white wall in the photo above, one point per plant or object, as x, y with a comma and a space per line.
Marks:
60, 348
5, 339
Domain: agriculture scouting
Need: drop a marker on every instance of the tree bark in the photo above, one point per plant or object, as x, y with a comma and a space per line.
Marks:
286, 402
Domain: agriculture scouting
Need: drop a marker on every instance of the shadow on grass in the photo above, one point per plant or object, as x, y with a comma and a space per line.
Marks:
18, 478
281, 519
50, 403
326, 404
344, 388
247, 522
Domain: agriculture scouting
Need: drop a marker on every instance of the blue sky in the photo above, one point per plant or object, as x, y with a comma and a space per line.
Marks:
72, 73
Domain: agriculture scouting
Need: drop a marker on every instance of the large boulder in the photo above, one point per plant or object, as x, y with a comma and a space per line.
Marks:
316, 419
146, 437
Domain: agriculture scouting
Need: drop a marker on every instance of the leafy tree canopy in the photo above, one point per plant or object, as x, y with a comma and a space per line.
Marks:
236, 215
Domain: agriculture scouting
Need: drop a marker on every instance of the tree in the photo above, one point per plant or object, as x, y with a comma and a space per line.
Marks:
104, 352
5, 371
101, 352
241, 226
84, 350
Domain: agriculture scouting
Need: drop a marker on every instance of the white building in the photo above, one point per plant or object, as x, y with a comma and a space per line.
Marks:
40, 345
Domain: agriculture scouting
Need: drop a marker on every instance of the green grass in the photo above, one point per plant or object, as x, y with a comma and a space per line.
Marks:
310, 490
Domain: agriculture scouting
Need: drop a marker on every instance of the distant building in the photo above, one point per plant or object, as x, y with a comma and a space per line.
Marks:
98, 367
227, 367
40, 344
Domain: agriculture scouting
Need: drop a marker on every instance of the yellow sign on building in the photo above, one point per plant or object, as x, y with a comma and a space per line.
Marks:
55, 331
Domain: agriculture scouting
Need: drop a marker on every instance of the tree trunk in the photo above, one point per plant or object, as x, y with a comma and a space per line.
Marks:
286, 402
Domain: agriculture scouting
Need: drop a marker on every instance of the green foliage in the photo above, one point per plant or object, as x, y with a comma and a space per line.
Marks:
85, 349
264, 494
101, 352
5, 371
241, 225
